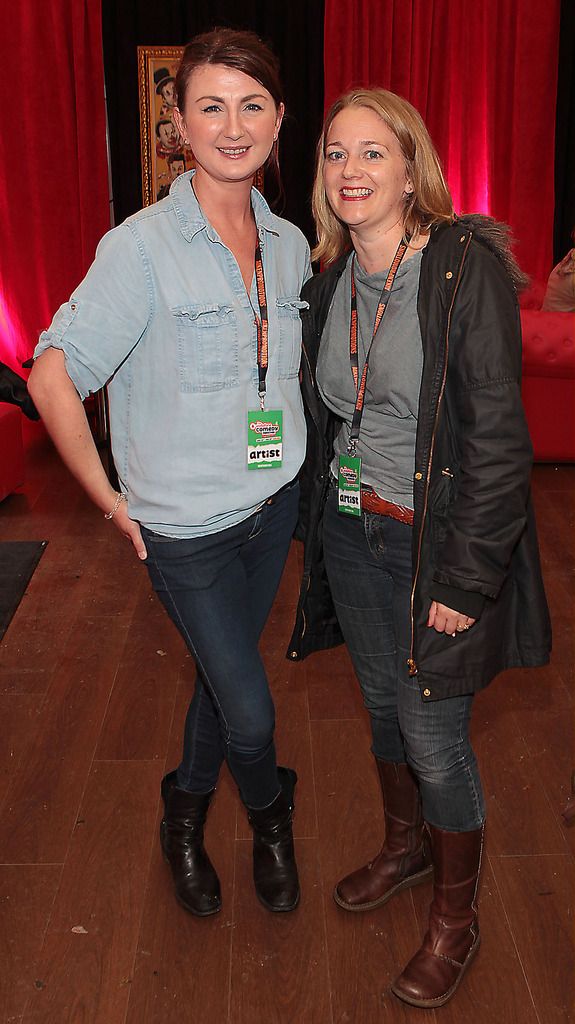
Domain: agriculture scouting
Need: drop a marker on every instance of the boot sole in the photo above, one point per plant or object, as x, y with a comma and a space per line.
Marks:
429, 1004
191, 910
198, 913
278, 910
407, 883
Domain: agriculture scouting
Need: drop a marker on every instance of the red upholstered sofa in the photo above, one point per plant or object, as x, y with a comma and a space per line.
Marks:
11, 450
548, 377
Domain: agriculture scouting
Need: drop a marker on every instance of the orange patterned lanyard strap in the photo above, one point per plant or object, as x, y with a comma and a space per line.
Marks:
262, 327
360, 383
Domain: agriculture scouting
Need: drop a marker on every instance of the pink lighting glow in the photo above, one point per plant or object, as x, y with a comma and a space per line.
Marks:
12, 350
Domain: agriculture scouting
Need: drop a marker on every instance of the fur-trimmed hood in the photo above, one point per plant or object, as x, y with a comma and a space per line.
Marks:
498, 238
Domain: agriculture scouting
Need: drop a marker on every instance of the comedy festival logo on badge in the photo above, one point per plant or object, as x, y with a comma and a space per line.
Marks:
266, 429
349, 474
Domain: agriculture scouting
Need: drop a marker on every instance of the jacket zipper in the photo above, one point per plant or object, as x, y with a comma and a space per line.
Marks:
303, 348
306, 569
413, 669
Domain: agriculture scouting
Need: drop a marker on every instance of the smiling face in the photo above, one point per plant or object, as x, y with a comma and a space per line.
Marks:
168, 135
169, 92
230, 121
364, 172
176, 167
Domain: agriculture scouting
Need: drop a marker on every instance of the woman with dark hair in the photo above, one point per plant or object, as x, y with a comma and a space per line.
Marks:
190, 313
416, 490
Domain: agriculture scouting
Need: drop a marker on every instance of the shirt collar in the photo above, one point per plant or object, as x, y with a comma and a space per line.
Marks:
191, 219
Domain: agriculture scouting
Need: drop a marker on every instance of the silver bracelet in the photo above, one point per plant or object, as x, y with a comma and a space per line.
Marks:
119, 499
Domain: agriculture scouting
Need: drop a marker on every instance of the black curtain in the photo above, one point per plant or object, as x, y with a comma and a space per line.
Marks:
565, 135
293, 28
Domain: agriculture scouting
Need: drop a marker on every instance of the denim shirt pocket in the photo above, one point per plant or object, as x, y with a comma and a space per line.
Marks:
207, 347
288, 310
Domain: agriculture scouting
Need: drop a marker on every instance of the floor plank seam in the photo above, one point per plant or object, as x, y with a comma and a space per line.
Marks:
490, 861
147, 888
39, 973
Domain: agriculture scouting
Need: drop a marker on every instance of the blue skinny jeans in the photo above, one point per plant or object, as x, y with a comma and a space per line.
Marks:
218, 590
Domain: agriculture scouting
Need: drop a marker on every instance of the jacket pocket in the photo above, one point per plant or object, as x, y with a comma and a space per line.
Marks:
207, 347
288, 311
438, 532
441, 498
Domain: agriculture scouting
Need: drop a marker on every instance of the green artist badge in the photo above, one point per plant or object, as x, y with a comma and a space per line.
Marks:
265, 445
349, 485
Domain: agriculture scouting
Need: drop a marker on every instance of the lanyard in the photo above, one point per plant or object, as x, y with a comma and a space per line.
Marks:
262, 326
353, 335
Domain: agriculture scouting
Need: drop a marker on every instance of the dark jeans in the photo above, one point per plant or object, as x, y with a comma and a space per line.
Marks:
368, 561
219, 590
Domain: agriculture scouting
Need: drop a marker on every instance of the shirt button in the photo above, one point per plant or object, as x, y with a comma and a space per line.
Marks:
449, 275
426, 692
419, 476
462, 239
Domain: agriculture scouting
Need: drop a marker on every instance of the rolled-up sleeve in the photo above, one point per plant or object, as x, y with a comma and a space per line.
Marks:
106, 315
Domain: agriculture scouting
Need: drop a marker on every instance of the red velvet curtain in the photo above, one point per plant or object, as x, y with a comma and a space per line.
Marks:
484, 77
54, 202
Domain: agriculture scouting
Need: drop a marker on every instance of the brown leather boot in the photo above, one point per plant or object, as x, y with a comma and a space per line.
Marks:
182, 839
404, 858
452, 940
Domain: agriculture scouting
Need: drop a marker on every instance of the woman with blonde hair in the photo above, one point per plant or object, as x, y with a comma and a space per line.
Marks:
420, 543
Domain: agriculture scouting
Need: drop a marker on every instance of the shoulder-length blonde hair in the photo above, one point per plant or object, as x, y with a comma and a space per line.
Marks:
428, 204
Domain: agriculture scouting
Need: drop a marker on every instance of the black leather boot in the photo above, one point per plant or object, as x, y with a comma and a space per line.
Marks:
275, 869
182, 839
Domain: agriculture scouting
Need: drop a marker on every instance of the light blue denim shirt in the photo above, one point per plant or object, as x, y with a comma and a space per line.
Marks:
163, 316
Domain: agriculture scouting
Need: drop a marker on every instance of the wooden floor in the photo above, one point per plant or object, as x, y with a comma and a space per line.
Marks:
94, 683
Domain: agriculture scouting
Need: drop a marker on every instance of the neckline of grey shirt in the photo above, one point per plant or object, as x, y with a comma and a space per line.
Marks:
389, 424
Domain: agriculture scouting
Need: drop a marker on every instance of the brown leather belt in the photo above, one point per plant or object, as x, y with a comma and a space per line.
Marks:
371, 502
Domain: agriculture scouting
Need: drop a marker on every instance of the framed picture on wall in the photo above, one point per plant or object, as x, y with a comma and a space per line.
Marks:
164, 154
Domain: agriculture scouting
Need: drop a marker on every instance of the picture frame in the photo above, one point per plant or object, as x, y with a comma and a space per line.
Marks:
163, 152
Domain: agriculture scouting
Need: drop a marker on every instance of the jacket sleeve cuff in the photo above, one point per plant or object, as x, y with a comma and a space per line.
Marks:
467, 602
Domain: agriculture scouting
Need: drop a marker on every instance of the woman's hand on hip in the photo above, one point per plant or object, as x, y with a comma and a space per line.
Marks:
447, 620
130, 529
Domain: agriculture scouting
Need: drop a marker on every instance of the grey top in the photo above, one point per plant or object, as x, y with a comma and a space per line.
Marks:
388, 427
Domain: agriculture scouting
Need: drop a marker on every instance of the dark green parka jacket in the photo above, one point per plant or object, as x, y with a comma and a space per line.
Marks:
474, 538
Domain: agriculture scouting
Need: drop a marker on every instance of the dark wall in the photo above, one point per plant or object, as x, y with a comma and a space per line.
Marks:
565, 135
294, 29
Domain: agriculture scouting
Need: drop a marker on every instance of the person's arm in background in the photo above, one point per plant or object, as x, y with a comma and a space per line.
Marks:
13, 390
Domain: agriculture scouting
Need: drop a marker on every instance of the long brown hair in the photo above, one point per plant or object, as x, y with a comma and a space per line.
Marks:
428, 204
238, 49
